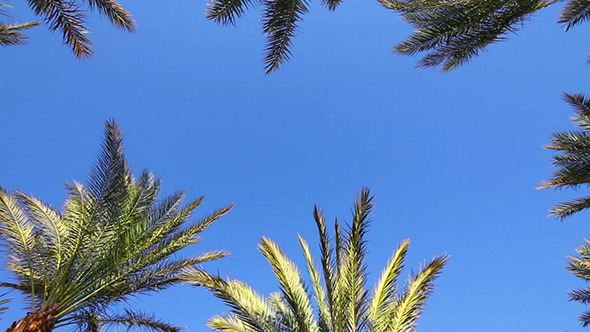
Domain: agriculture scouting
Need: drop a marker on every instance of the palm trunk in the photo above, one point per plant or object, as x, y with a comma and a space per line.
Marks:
35, 322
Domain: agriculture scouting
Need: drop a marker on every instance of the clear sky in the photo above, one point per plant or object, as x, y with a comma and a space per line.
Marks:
453, 158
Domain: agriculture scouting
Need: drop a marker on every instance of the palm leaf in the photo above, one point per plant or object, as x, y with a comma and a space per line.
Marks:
574, 13
279, 24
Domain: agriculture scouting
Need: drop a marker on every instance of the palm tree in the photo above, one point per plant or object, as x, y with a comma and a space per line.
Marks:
451, 32
68, 17
111, 241
343, 302
580, 267
574, 160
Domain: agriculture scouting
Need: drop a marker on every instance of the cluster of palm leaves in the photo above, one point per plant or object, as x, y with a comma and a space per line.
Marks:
450, 32
113, 239
68, 17
574, 158
342, 299
573, 162
580, 267
453, 31
280, 19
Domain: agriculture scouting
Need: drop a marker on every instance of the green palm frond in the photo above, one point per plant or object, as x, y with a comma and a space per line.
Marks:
112, 240
343, 301
452, 32
407, 308
292, 285
573, 162
226, 11
69, 19
118, 16
580, 267
574, 13
12, 35
279, 24
250, 308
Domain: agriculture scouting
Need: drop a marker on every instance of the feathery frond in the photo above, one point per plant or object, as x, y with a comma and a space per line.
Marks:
574, 160
343, 301
452, 32
574, 13
580, 267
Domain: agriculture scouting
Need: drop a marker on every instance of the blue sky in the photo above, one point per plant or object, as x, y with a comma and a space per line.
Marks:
453, 158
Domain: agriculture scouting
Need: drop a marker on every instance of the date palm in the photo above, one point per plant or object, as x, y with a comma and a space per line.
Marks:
342, 299
112, 240
68, 17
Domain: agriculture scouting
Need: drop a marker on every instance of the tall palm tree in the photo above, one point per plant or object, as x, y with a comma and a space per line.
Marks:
112, 240
342, 300
574, 160
451, 32
68, 17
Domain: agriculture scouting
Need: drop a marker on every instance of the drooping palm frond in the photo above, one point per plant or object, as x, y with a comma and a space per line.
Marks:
343, 301
279, 24
574, 13
580, 267
452, 32
112, 240
574, 158
280, 19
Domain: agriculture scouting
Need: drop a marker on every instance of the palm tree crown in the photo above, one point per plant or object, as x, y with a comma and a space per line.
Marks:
111, 240
342, 299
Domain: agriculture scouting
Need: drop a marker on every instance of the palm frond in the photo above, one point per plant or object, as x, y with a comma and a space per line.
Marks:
580, 267
247, 305
226, 11
292, 284
574, 160
451, 33
384, 292
325, 320
12, 35
574, 13
406, 309
118, 16
67, 17
279, 23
